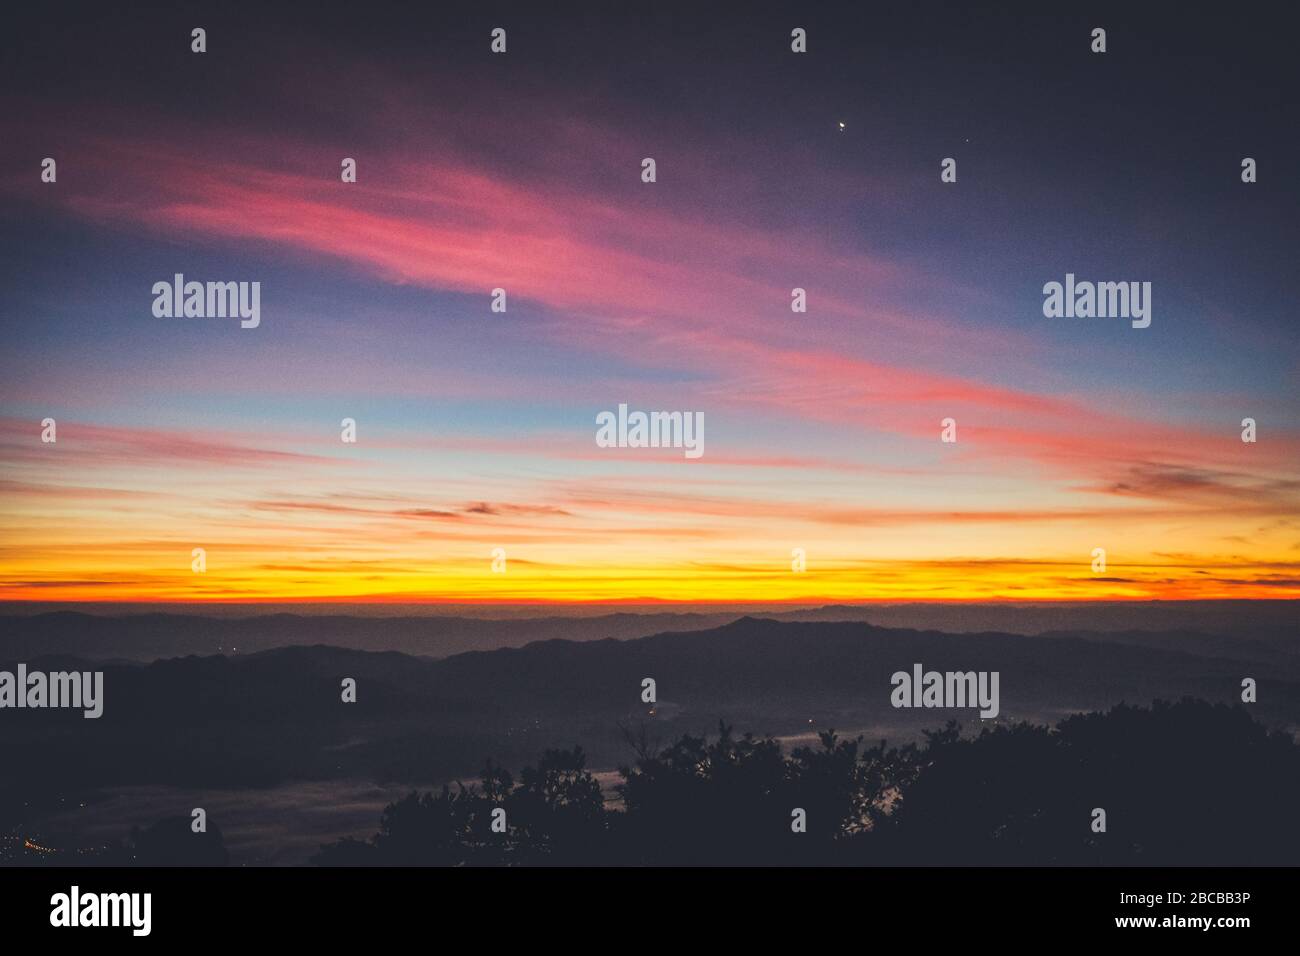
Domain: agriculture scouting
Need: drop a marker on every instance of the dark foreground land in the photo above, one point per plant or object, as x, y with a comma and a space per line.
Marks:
1201, 781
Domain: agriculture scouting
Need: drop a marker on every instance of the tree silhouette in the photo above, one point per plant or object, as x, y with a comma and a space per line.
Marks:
1185, 783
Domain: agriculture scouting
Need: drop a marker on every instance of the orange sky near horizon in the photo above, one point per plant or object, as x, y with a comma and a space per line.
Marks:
115, 515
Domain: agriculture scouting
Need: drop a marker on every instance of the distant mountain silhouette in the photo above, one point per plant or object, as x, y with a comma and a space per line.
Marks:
150, 636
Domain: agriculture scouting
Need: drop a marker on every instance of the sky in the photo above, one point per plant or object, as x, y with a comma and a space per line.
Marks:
476, 430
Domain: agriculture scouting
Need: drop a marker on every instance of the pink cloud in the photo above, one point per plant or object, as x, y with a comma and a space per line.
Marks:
82, 443
643, 278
